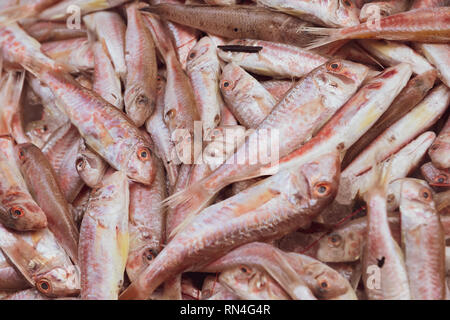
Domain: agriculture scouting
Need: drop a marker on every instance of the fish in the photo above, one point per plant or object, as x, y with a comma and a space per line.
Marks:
384, 270
235, 22
439, 151
413, 93
203, 69
420, 118
391, 53
18, 209
244, 218
43, 185
61, 150
146, 223
140, 58
245, 97
107, 130
41, 261
329, 87
75, 54
160, 134
434, 176
336, 13
112, 38
89, 165
421, 25
106, 81
180, 107
104, 239
275, 59
422, 241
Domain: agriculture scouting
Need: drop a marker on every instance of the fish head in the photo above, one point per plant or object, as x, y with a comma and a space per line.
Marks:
140, 259
339, 79
23, 214
322, 179
435, 176
232, 80
38, 131
416, 200
243, 278
340, 246
18, 210
59, 282
89, 166
141, 164
326, 283
202, 55
346, 14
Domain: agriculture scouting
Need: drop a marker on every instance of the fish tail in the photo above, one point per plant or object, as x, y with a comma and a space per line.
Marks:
321, 36
195, 197
381, 176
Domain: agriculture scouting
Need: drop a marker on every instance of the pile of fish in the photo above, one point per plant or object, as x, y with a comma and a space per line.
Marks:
274, 149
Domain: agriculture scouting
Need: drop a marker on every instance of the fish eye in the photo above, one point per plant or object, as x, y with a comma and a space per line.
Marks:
142, 99
21, 155
192, 55
322, 189
149, 254
16, 212
80, 164
226, 84
245, 269
334, 66
323, 284
334, 240
143, 154
442, 178
425, 194
434, 146
171, 114
44, 286
348, 3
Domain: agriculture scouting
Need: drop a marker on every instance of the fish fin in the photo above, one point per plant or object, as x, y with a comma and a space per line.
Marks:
195, 197
323, 36
380, 177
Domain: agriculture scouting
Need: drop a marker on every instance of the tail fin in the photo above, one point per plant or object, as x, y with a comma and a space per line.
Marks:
322, 37
381, 176
196, 197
